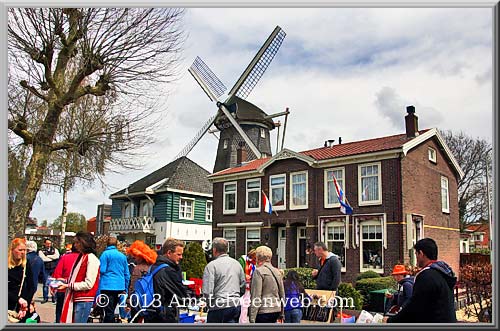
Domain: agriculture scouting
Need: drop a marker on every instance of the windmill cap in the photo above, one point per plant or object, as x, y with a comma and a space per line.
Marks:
399, 269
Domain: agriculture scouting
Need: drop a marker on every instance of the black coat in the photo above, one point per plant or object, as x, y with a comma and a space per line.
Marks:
168, 284
328, 277
15, 276
432, 299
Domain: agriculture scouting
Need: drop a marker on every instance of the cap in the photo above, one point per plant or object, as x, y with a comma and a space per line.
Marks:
399, 269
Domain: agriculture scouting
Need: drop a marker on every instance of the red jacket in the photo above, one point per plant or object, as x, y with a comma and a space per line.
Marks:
86, 283
64, 266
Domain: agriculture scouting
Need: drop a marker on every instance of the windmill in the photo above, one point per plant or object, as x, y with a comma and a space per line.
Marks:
243, 127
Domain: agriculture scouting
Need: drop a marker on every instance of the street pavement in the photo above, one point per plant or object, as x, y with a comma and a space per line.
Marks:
46, 311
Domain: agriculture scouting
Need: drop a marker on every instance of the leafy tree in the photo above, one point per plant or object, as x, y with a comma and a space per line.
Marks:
193, 261
60, 56
474, 157
44, 223
74, 222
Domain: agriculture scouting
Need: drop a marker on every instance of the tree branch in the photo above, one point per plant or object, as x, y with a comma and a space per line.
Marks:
33, 90
20, 130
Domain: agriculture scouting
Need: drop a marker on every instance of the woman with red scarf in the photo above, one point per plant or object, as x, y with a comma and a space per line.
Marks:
83, 282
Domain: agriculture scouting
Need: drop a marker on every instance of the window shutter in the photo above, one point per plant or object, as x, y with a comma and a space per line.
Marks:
409, 232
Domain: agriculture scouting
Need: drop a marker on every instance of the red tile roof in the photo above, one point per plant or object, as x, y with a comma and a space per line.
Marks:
91, 219
344, 149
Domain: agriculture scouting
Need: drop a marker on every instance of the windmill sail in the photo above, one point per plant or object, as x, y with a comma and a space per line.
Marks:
252, 74
208, 81
185, 151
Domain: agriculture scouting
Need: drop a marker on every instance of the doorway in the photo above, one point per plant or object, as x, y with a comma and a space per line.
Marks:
282, 247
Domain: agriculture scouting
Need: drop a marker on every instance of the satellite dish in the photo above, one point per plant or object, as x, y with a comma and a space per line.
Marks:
206, 245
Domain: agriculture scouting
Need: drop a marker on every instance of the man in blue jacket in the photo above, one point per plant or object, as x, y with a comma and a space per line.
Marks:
114, 279
36, 263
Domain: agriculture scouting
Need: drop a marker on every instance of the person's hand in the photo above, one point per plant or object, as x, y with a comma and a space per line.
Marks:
23, 304
385, 319
21, 314
315, 272
62, 287
248, 278
389, 295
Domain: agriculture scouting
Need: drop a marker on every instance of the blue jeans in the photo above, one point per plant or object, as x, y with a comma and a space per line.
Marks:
293, 315
48, 273
224, 315
81, 311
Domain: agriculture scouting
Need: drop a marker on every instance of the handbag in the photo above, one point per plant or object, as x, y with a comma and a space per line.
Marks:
281, 318
12, 314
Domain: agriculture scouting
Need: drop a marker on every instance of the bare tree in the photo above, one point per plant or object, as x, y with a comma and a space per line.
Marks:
62, 55
473, 156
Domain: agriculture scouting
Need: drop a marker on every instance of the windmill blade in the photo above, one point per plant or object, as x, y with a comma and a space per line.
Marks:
207, 80
185, 151
259, 64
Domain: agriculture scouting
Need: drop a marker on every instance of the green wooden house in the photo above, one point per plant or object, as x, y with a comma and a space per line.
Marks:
174, 201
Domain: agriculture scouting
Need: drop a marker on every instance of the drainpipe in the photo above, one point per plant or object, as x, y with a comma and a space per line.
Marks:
399, 181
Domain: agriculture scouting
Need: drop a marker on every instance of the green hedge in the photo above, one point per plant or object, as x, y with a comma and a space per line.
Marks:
346, 291
194, 260
364, 286
368, 274
305, 277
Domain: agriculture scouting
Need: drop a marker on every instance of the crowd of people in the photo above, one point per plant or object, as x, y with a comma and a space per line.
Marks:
247, 290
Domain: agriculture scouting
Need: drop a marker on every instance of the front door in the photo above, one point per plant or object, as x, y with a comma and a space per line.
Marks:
301, 247
282, 248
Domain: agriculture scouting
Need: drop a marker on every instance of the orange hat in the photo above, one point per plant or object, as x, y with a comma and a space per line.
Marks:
399, 269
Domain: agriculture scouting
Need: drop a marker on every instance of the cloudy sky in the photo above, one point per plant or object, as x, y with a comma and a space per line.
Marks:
342, 72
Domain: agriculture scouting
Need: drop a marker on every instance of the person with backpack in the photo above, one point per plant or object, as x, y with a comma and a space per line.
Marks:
144, 257
167, 291
405, 282
432, 298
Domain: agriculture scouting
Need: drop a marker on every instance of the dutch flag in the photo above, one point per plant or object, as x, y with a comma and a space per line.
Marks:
344, 207
268, 208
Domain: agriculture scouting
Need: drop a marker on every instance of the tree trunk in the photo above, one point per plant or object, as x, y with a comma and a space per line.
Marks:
64, 212
22, 206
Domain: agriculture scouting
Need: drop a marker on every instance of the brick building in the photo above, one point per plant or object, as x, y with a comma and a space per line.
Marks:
401, 188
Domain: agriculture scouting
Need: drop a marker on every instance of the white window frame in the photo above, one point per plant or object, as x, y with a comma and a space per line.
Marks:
141, 207
225, 143
335, 204
262, 133
341, 224
277, 186
445, 209
361, 241
247, 190
246, 237
224, 234
181, 217
360, 187
224, 193
292, 205
432, 155
209, 211
131, 206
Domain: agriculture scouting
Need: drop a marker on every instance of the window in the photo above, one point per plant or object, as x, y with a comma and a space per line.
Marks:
253, 239
186, 208
371, 245
478, 237
298, 189
229, 198
331, 199
432, 155
128, 210
253, 195
208, 211
369, 184
225, 143
277, 189
445, 198
230, 236
262, 133
146, 208
335, 240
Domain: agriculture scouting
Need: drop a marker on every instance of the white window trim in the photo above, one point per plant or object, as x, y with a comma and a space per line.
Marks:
371, 222
360, 188
211, 211
283, 207
246, 237
346, 237
431, 158
224, 231
443, 209
262, 133
128, 203
225, 144
252, 210
141, 207
229, 211
335, 204
298, 238
297, 207
192, 211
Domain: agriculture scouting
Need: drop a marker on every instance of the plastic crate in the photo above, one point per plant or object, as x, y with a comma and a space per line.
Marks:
186, 318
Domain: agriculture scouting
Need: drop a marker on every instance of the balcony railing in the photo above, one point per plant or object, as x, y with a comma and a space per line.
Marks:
141, 224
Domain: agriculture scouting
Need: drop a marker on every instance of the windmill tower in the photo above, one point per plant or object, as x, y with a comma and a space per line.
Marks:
244, 128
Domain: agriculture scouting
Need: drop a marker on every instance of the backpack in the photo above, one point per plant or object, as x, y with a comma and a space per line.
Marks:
143, 296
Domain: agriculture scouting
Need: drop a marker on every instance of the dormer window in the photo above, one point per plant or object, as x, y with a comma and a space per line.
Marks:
262, 133
432, 155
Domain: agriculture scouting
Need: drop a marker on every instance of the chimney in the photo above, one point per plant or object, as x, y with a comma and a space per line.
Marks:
241, 153
411, 121
340, 140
